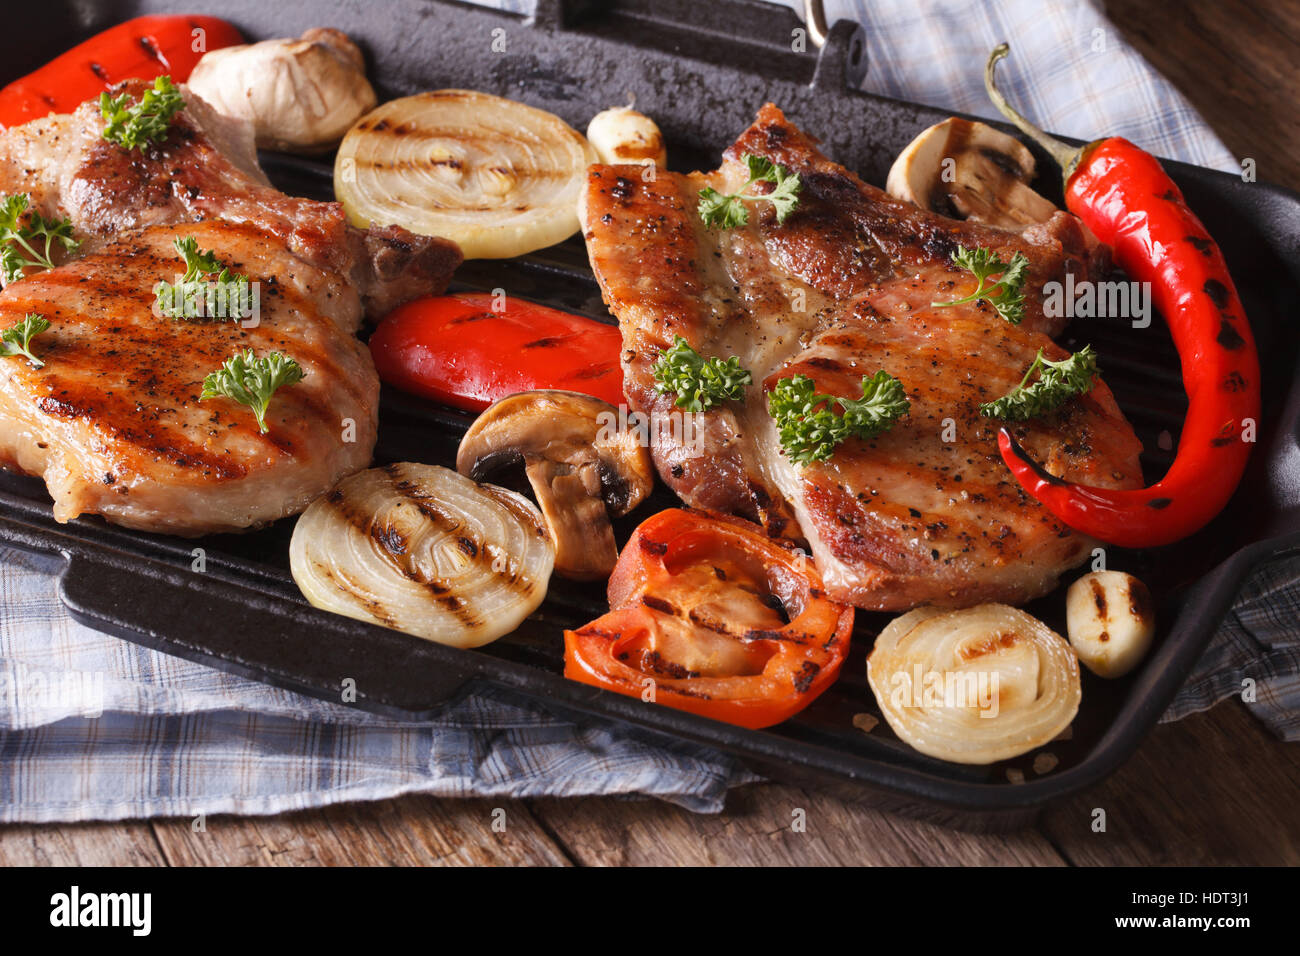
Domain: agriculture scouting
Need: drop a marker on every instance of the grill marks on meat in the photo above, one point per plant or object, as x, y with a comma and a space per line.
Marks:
207, 168
114, 422
844, 287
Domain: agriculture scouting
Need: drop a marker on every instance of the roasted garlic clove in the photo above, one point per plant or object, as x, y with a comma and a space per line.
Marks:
1111, 621
300, 95
622, 135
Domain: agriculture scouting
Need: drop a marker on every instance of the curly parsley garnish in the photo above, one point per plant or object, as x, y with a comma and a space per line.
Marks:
29, 238
1057, 383
204, 265
811, 428
698, 383
728, 211
134, 125
1006, 294
17, 339
252, 381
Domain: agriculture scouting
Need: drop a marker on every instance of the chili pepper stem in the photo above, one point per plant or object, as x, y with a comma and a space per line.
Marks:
1067, 157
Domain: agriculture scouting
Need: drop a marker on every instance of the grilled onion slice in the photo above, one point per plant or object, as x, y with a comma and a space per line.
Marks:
974, 686
497, 177
424, 550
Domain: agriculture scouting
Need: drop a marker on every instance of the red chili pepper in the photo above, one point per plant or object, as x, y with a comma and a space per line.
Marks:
143, 48
1129, 202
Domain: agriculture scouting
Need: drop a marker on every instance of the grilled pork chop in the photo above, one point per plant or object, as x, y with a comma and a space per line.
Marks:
113, 421
925, 513
207, 168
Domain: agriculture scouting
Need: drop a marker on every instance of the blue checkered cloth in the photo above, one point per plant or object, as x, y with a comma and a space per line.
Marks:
92, 727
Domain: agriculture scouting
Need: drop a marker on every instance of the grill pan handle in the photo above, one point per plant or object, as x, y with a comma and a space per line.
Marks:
293, 646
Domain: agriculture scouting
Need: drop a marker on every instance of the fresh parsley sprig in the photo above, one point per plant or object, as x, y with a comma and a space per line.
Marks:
29, 238
250, 380
698, 383
171, 297
810, 427
727, 211
1006, 294
17, 339
1057, 383
200, 264
134, 125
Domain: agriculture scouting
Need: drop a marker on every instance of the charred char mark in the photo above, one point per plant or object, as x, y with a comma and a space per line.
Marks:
807, 674
1099, 599
658, 604
151, 436
658, 548
476, 317
1218, 293
152, 51
939, 246
824, 363
390, 539
1228, 336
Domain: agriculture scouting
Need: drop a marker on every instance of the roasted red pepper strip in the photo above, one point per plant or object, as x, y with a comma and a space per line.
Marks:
713, 617
1124, 196
472, 349
143, 48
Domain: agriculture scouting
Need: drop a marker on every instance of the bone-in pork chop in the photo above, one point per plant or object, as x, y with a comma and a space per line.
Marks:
205, 169
926, 512
113, 421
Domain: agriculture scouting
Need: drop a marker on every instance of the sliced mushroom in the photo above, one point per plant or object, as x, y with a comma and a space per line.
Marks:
582, 466
970, 170
300, 95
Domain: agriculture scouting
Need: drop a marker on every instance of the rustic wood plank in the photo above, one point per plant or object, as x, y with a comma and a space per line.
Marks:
1235, 60
409, 831
83, 844
758, 828
1213, 789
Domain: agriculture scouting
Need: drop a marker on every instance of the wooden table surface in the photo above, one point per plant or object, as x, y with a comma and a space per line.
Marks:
1213, 789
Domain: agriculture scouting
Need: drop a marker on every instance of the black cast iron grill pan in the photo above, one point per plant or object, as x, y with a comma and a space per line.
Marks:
701, 70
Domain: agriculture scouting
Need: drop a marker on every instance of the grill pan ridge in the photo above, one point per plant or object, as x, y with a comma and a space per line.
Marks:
690, 68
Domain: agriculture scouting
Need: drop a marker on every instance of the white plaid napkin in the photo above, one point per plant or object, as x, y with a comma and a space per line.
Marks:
92, 727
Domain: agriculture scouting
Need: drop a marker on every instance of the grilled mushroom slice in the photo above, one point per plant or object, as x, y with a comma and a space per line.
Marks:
582, 466
969, 170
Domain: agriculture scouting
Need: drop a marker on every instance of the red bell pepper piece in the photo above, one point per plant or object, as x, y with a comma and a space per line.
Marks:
711, 616
470, 350
143, 48
1124, 196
